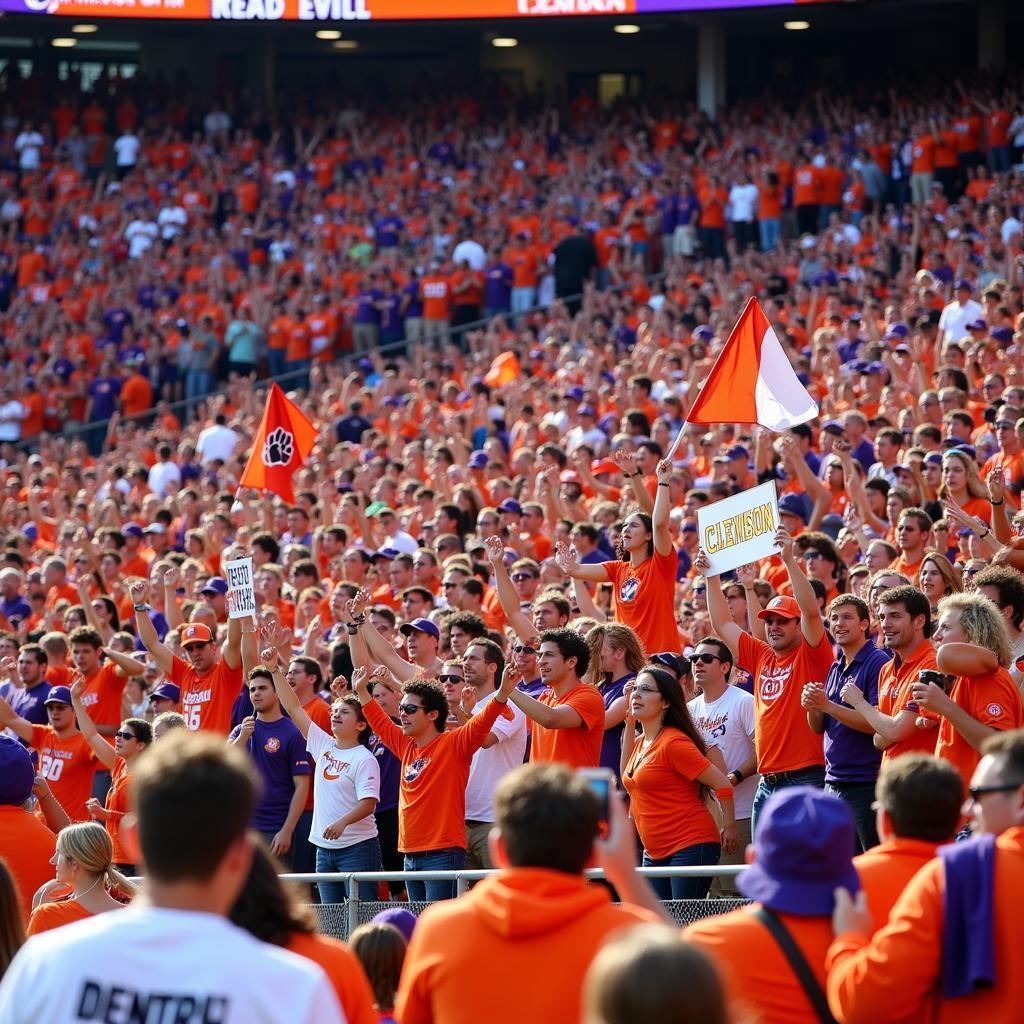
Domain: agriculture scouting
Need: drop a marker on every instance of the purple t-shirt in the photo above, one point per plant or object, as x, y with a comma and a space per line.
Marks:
498, 286
850, 756
611, 742
279, 752
390, 769
104, 391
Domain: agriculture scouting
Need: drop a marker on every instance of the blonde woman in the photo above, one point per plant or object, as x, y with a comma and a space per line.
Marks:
938, 578
962, 483
973, 646
84, 863
616, 655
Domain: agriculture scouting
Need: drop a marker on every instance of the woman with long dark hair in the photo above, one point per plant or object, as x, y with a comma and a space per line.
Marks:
12, 928
666, 771
644, 581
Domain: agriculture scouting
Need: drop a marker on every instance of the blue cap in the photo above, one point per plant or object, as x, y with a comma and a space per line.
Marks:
737, 451
575, 393
215, 585
421, 626
791, 504
897, 330
833, 427
17, 774
703, 333
1001, 334
59, 695
388, 553
478, 460
933, 459
977, 325
511, 505
964, 283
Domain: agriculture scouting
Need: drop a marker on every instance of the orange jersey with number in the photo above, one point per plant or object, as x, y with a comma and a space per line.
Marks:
68, 767
206, 700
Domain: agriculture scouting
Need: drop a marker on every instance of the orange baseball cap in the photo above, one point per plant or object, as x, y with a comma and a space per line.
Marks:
782, 606
196, 633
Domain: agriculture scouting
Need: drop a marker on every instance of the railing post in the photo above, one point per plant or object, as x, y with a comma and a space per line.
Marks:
353, 903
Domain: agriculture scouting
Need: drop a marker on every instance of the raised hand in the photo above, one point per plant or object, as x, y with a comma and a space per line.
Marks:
566, 557
137, 591
663, 471
701, 562
784, 542
746, 574
626, 461
996, 486
340, 686
270, 657
171, 577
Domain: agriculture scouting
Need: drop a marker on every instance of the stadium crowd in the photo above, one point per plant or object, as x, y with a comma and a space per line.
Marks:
497, 317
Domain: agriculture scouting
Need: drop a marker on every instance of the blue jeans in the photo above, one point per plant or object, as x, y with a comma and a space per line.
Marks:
522, 299
702, 854
364, 856
451, 859
769, 234
276, 362
298, 372
197, 384
769, 784
860, 796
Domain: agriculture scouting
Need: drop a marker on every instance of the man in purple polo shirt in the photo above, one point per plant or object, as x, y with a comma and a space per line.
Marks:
851, 760
497, 286
279, 752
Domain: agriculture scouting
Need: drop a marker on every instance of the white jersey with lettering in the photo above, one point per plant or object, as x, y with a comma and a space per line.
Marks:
148, 965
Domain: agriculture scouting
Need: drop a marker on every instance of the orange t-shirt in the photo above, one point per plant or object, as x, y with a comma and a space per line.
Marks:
102, 696
806, 186
645, 600
992, 699
27, 845
895, 682
755, 971
136, 395
923, 152
116, 807
48, 916
68, 767
885, 871
299, 342
432, 788
909, 569
784, 740
577, 748
436, 290
542, 927
206, 700
343, 970
664, 796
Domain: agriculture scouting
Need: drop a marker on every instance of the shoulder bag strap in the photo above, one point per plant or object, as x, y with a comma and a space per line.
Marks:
808, 982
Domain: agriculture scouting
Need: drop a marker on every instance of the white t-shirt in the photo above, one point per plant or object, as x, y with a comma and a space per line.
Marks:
216, 442
28, 146
341, 779
126, 150
11, 415
172, 220
140, 235
490, 766
956, 316
742, 202
161, 476
155, 965
728, 723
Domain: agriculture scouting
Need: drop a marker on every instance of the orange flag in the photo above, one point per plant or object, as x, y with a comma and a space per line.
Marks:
504, 370
281, 445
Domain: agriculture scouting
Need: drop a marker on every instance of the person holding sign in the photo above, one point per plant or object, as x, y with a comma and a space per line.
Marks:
797, 652
644, 581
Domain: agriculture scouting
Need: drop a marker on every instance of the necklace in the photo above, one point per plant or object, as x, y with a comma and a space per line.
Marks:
640, 753
89, 890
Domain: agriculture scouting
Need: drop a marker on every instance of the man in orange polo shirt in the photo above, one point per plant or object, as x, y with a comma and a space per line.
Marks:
912, 533
801, 855
950, 950
906, 622
568, 718
919, 801
536, 913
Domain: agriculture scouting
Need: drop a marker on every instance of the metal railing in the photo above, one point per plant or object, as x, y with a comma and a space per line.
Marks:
463, 877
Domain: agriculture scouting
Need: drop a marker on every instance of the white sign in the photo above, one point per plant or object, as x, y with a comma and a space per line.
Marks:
241, 592
740, 528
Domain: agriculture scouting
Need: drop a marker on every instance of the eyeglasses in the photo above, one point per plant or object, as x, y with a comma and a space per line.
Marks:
522, 577
646, 689
452, 679
125, 735
450, 584
977, 792
812, 556
410, 709
523, 649
700, 590
704, 659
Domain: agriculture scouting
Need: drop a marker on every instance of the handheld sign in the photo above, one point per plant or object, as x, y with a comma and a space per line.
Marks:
740, 528
241, 591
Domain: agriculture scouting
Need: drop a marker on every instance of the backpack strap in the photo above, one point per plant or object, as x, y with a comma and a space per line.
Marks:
798, 962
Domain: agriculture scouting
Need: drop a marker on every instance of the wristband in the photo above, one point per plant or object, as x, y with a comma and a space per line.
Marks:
982, 536
725, 794
999, 502
140, 607
637, 473
663, 485
737, 774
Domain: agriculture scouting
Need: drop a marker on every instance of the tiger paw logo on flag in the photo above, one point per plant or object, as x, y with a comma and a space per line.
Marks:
278, 447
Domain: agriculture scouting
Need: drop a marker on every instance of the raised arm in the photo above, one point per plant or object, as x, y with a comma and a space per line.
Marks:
9, 719
627, 463
585, 602
172, 606
126, 666
997, 499
147, 632
561, 717
811, 624
100, 747
662, 507
285, 694
718, 607
507, 592
567, 559
746, 576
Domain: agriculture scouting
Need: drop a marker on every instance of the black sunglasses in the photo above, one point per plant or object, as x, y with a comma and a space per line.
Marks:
977, 792
523, 649
125, 735
704, 659
451, 679
522, 577
410, 709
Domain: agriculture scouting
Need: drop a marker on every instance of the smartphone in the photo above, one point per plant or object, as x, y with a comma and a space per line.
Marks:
602, 782
930, 675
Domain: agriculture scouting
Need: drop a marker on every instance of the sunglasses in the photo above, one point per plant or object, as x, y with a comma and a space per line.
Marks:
704, 659
522, 577
523, 649
812, 556
977, 792
450, 584
452, 679
410, 709
125, 735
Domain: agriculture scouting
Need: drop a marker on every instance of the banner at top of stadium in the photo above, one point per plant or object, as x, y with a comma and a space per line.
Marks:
363, 10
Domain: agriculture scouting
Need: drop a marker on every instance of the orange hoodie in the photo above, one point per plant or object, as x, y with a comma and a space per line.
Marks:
516, 948
896, 974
